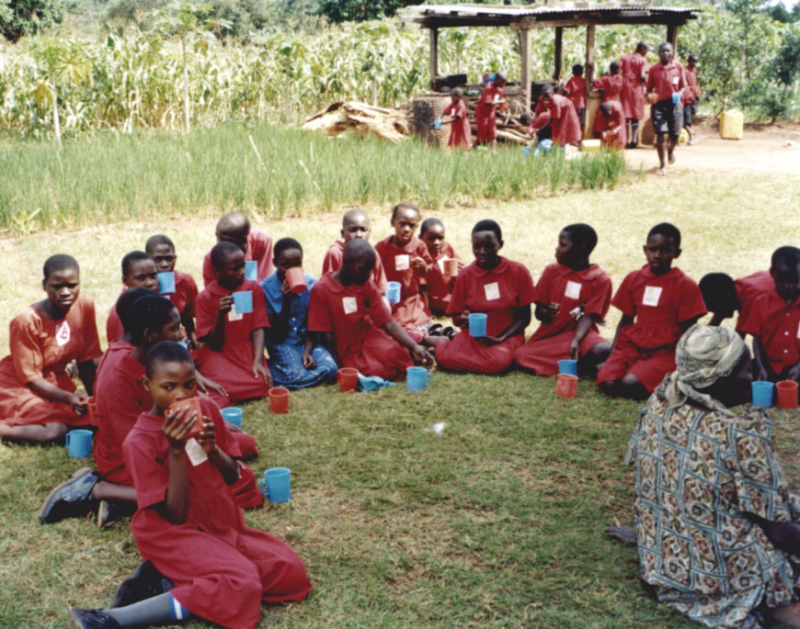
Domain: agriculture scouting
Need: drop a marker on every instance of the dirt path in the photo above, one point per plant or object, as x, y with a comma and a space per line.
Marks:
768, 149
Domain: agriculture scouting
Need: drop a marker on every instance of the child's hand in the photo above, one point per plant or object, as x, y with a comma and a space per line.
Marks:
191, 339
176, 427
548, 312
574, 349
762, 374
204, 384
260, 371
286, 290
794, 373
308, 360
79, 403
225, 304
488, 341
419, 266
423, 356
462, 320
208, 438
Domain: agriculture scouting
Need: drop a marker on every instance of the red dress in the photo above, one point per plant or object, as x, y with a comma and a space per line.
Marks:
496, 293
611, 84
615, 120
335, 258
633, 66
591, 289
692, 91
778, 326
232, 368
660, 305
259, 248
563, 119
460, 131
42, 348
486, 113
354, 315
185, 294
222, 569
575, 90
114, 329
748, 290
439, 291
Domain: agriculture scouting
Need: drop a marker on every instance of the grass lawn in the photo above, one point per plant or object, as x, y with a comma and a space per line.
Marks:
497, 521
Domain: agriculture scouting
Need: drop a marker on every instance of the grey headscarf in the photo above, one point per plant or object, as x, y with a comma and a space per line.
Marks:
704, 355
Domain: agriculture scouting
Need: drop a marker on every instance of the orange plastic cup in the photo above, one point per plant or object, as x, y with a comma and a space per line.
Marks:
787, 394
193, 404
451, 267
279, 400
296, 279
566, 386
348, 379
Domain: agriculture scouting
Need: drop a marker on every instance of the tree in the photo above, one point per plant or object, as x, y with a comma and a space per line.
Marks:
25, 17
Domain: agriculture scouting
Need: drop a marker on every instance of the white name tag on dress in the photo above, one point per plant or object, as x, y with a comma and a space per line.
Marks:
402, 262
492, 291
573, 290
195, 452
350, 305
63, 334
652, 295
233, 315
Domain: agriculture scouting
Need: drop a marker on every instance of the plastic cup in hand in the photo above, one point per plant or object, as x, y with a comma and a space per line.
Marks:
232, 415
193, 404
762, 393
787, 394
437, 124
477, 324
166, 283
183, 344
417, 378
79, 443
348, 379
568, 367
243, 302
566, 386
277, 484
279, 400
451, 267
251, 270
393, 293
676, 98
297, 280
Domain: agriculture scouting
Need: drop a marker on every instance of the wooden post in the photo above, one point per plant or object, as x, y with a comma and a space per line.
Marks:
672, 38
558, 52
589, 74
434, 54
525, 58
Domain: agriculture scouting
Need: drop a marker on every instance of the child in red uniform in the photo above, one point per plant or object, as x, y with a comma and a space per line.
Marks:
406, 260
724, 296
162, 250
486, 111
611, 83
501, 289
691, 96
774, 321
460, 132
188, 524
634, 77
138, 271
566, 128
256, 244
354, 323
612, 125
38, 400
575, 90
440, 284
355, 224
665, 80
658, 303
233, 350
572, 298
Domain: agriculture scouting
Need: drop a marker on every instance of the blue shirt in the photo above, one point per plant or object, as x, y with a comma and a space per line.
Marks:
298, 315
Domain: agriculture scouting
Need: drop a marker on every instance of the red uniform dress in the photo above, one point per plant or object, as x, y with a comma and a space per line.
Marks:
114, 328
42, 349
615, 120
563, 119
778, 327
460, 131
486, 113
412, 311
439, 292
589, 289
660, 304
185, 294
221, 568
748, 290
611, 84
335, 258
575, 90
232, 368
666, 79
496, 293
354, 315
259, 248
633, 65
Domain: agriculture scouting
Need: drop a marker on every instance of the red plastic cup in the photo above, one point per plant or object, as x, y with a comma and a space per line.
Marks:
348, 379
193, 404
566, 386
451, 267
296, 279
787, 394
279, 400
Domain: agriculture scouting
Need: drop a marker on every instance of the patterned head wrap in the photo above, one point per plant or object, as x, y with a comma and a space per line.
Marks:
704, 355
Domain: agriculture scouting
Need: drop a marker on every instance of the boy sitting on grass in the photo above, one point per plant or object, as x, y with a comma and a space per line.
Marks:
138, 271
256, 244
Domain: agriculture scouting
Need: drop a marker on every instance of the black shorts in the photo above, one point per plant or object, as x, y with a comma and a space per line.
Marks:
667, 118
689, 112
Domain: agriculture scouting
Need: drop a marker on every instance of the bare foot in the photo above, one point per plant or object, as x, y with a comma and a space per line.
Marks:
433, 341
622, 533
672, 158
789, 615
662, 172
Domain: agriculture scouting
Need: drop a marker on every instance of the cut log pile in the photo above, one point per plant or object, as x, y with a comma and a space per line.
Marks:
361, 119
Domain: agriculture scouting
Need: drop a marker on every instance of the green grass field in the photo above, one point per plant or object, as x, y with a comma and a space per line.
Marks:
498, 521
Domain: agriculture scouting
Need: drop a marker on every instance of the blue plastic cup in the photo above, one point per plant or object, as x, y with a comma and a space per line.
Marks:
437, 124
232, 415
477, 324
393, 293
251, 270
166, 283
762, 393
243, 302
79, 443
526, 150
277, 484
568, 367
417, 378
183, 344
676, 98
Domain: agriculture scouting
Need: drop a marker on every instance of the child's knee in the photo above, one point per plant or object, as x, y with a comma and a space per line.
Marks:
53, 431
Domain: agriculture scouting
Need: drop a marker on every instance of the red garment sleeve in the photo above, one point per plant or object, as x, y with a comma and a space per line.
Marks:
383, 283
378, 310
206, 314
543, 285
191, 297
449, 110
692, 303
752, 325
91, 340
623, 299
328, 265
208, 270
459, 296
150, 476
222, 434
599, 298
319, 315
26, 352
526, 293
260, 315
650, 80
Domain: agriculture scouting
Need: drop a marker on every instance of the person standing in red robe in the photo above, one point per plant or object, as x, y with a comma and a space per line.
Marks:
138, 271
575, 90
256, 244
355, 224
612, 125
486, 111
564, 123
634, 77
691, 96
665, 82
611, 86
460, 132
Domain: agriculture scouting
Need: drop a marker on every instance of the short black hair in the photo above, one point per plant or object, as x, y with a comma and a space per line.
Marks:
221, 252
166, 352
488, 225
149, 312
548, 90
582, 235
614, 67
429, 223
131, 258
691, 58
577, 69
156, 241
642, 45
404, 205
716, 288
59, 262
125, 301
668, 230
787, 256
284, 244
359, 248
526, 118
